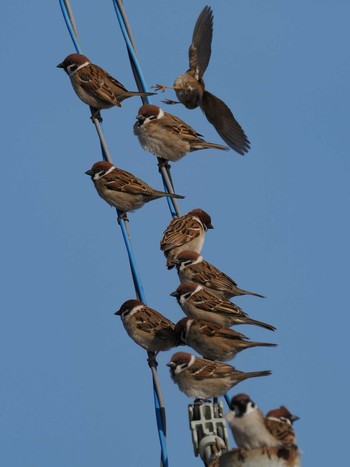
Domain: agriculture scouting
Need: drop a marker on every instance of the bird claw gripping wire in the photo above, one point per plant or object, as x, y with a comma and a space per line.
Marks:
209, 430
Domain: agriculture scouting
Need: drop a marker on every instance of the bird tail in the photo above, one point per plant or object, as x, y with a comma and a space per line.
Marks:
258, 344
221, 117
254, 374
136, 93
259, 323
246, 292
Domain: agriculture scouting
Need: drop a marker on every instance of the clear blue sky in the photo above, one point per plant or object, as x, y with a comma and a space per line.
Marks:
75, 390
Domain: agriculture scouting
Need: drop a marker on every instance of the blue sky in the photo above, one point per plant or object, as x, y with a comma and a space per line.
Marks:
76, 391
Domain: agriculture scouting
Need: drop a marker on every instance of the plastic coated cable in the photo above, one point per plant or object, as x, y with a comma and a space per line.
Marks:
158, 399
141, 84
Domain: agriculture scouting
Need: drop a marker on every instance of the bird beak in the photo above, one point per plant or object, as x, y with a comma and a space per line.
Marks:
118, 312
294, 418
60, 65
89, 172
173, 294
171, 364
210, 226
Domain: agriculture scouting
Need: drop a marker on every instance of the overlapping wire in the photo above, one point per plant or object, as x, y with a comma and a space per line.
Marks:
173, 207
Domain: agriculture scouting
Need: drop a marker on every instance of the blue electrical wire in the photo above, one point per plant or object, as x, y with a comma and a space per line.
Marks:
159, 408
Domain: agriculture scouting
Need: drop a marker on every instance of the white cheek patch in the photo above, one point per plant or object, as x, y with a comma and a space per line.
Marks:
198, 260
71, 73
160, 114
250, 408
188, 326
102, 173
198, 288
130, 313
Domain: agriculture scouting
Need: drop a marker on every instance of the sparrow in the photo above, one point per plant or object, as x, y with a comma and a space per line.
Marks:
190, 88
185, 233
248, 424
148, 328
192, 267
122, 189
200, 303
213, 341
202, 378
167, 136
94, 86
279, 423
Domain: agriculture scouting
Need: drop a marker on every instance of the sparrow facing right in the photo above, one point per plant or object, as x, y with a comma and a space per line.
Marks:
186, 232
93, 85
248, 426
202, 379
279, 422
190, 88
148, 328
121, 189
192, 267
213, 341
167, 136
199, 303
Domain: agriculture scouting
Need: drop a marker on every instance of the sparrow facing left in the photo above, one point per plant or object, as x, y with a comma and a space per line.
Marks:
192, 267
248, 426
202, 379
148, 328
186, 232
93, 85
213, 341
199, 303
122, 189
167, 136
190, 88
279, 422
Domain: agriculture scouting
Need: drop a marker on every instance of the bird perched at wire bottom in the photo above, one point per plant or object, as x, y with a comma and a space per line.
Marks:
121, 189
279, 423
248, 424
202, 379
251, 430
147, 327
190, 88
200, 303
186, 232
191, 266
167, 136
94, 86
213, 341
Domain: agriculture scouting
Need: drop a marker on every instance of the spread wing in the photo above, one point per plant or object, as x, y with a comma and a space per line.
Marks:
200, 48
221, 117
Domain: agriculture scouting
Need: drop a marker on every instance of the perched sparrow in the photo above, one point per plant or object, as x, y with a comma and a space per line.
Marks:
199, 303
185, 233
148, 328
248, 426
202, 378
167, 136
122, 189
192, 267
212, 340
279, 423
93, 85
190, 89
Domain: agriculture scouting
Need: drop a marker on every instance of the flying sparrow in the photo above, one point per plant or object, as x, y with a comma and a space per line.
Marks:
93, 85
185, 233
192, 267
279, 423
190, 88
202, 379
148, 328
248, 424
167, 136
213, 341
122, 189
199, 303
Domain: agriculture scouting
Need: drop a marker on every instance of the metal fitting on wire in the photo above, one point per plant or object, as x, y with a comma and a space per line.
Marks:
209, 430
